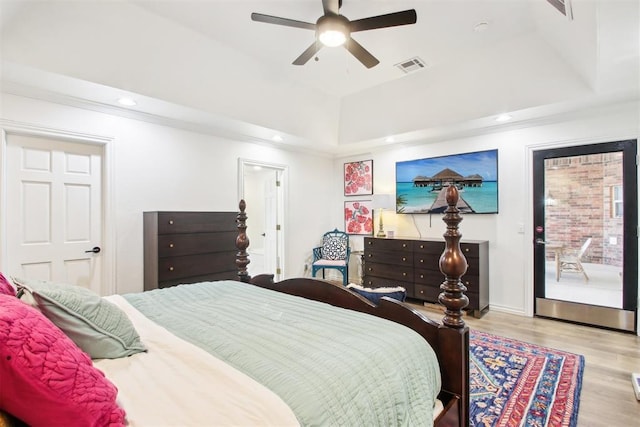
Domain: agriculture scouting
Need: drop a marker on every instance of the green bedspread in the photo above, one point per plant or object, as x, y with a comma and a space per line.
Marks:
333, 367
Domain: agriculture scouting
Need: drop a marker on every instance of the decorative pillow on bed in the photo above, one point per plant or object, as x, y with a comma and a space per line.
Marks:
97, 326
375, 294
46, 378
6, 287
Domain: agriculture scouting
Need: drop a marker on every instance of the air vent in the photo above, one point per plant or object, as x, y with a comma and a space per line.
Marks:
563, 6
411, 65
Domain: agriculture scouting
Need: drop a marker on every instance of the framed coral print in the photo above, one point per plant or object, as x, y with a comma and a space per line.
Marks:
358, 217
358, 178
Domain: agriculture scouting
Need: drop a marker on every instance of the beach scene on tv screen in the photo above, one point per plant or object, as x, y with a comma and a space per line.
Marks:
421, 183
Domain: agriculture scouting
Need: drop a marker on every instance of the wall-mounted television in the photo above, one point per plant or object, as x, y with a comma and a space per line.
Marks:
420, 183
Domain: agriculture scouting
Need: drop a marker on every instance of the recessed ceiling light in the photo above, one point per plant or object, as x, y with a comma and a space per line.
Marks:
129, 102
277, 138
481, 26
503, 118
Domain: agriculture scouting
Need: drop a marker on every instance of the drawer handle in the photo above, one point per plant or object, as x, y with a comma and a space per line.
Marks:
422, 292
421, 261
370, 269
370, 242
422, 276
404, 259
170, 268
421, 246
170, 245
370, 255
466, 283
404, 245
466, 249
170, 222
404, 274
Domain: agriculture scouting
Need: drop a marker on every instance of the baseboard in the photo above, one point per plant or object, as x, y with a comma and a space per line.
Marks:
509, 310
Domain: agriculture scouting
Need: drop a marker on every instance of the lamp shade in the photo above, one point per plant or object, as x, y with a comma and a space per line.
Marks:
383, 201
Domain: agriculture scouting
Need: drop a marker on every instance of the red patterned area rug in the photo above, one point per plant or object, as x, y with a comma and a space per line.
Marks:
514, 383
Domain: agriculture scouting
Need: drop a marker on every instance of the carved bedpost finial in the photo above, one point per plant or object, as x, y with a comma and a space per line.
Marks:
242, 243
453, 264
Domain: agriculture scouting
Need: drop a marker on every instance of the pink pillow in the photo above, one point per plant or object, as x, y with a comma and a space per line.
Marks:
6, 288
46, 379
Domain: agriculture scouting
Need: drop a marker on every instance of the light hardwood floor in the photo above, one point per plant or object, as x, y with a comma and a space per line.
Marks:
607, 397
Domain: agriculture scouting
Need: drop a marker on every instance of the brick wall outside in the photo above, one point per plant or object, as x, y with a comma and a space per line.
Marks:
580, 188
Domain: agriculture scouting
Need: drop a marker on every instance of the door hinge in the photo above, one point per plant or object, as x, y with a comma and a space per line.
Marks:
278, 271
277, 183
278, 227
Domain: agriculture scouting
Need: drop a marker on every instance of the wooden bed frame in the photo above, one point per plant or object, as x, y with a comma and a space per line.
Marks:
449, 339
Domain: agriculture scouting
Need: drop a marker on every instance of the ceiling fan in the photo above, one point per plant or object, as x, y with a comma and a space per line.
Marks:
333, 29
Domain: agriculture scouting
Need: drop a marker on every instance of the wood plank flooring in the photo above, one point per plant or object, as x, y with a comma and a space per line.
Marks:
607, 397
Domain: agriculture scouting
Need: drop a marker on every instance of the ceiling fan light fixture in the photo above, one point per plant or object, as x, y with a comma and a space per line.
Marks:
333, 30
332, 38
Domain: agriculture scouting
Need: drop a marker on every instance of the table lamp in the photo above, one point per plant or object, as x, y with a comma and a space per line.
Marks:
382, 202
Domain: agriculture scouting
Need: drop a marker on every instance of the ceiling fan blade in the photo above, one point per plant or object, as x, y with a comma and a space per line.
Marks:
405, 17
331, 6
308, 54
361, 53
259, 17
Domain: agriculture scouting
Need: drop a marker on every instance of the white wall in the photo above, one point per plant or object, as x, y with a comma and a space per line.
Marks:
163, 168
511, 251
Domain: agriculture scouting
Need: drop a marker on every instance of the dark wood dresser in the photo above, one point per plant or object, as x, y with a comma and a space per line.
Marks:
414, 265
188, 247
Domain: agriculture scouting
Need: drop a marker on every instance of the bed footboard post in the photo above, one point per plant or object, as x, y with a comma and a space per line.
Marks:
242, 243
454, 338
453, 265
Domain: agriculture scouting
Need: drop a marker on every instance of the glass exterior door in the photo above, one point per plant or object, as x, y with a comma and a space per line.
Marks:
585, 236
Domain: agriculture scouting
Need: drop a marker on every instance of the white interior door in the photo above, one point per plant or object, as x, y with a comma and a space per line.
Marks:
54, 217
271, 224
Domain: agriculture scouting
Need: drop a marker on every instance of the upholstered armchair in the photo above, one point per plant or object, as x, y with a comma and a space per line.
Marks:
334, 253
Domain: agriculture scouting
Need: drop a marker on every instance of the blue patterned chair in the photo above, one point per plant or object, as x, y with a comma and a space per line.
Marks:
334, 253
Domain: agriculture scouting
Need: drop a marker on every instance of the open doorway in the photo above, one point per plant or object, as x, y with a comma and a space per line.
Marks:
585, 237
262, 186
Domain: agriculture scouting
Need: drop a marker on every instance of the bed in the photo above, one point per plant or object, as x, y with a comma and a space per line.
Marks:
238, 353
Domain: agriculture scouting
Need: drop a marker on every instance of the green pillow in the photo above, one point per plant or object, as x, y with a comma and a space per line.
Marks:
96, 325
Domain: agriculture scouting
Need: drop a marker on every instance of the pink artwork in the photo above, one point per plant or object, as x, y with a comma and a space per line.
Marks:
358, 178
358, 217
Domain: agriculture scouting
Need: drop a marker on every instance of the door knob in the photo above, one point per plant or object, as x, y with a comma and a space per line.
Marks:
539, 241
95, 250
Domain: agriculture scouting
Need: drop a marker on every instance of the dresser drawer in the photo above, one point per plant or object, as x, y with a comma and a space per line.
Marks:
437, 248
428, 277
381, 282
427, 293
429, 247
470, 250
471, 282
225, 275
195, 243
388, 271
194, 222
389, 245
170, 268
397, 258
426, 261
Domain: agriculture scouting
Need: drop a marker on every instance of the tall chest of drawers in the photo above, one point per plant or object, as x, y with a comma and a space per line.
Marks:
414, 264
188, 247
